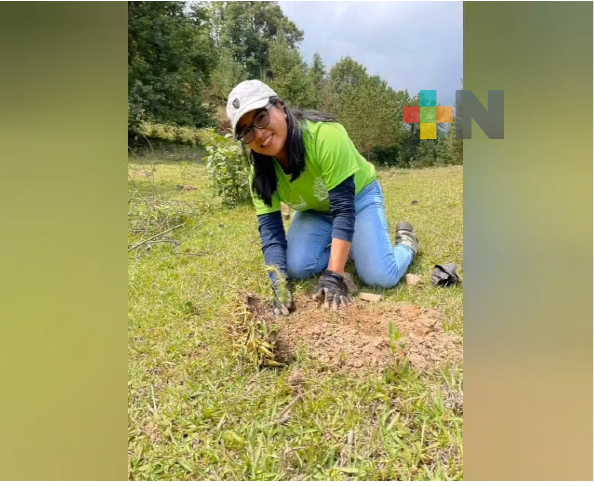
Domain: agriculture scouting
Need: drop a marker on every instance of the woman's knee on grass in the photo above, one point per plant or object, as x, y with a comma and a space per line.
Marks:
380, 276
383, 281
298, 268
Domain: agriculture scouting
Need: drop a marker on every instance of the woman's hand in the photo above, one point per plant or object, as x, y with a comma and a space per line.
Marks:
332, 290
283, 297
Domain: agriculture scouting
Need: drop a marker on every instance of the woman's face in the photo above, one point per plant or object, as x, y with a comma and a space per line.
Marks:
271, 139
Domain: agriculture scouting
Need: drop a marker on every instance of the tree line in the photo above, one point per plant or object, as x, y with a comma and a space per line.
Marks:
184, 59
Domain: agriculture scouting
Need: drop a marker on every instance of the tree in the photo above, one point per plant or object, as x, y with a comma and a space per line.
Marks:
170, 58
426, 155
454, 146
410, 144
317, 76
289, 74
226, 75
370, 110
345, 74
248, 29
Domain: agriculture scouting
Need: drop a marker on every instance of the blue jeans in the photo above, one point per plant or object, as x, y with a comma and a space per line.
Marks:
378, 262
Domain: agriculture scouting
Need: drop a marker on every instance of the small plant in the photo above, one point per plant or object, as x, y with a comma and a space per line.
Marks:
228, 171
395, 338
280, 282
394, 332
229, 176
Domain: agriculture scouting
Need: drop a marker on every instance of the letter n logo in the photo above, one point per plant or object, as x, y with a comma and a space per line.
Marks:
468, 107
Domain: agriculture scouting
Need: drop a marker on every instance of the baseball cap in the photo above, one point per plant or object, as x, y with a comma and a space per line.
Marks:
247, 96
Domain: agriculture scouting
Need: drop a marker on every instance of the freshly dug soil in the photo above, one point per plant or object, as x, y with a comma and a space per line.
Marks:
358, 338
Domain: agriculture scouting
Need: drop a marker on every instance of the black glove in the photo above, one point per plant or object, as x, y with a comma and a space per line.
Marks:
444, 275
332, 290
283, 296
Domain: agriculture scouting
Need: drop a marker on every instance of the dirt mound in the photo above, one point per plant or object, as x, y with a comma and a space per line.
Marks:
363, 336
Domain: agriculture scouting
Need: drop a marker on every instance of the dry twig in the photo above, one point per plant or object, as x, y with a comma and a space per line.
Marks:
154, 236
282, 417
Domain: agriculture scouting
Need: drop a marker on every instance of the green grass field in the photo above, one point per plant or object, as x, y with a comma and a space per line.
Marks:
198, 410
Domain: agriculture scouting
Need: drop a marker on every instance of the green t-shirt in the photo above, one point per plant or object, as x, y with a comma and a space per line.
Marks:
331, 157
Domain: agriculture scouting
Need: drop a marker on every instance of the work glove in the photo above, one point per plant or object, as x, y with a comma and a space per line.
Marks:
332, 290
445, 275
283, 296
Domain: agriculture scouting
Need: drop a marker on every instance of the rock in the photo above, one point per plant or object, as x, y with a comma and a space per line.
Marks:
370, 297
414, 280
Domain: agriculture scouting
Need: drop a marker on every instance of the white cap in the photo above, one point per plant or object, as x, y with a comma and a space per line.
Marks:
247, 96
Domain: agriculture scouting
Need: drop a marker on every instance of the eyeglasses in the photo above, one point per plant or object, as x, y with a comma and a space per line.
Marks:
261, 120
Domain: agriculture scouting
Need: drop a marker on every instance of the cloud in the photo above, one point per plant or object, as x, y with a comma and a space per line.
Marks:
412, 45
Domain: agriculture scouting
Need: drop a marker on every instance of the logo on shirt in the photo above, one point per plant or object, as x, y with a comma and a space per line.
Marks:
301, 204
320, 189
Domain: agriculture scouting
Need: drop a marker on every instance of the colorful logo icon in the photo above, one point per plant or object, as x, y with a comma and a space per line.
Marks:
428, 114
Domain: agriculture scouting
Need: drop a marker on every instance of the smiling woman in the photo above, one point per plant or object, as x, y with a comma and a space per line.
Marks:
307, 160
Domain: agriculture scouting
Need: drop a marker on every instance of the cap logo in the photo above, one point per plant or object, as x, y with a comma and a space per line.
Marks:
236, 103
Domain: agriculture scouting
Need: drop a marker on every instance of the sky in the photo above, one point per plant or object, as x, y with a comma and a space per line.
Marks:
411, 45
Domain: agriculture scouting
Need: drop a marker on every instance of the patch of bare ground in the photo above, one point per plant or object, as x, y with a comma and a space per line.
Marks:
362, 337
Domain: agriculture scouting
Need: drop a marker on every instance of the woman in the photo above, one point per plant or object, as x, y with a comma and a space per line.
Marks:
307, 160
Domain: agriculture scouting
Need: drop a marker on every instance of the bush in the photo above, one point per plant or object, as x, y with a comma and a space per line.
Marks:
228, 171
386, 156
173, 134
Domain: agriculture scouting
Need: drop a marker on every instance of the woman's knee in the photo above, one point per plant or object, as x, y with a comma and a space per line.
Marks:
379, 279
297, 273
382, 276
299, 267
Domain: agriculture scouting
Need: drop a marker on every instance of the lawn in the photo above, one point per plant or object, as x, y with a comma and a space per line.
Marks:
199, 410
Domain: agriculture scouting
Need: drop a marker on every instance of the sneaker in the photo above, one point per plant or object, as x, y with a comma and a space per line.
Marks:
405, 236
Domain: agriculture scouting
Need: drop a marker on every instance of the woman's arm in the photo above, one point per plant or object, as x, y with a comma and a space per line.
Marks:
274, 246
274, 241
342, 207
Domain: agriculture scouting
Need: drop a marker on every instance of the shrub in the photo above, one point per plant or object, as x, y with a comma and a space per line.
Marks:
173, 134
228, 171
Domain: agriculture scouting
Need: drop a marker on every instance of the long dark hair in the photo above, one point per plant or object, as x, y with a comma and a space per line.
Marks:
265, 181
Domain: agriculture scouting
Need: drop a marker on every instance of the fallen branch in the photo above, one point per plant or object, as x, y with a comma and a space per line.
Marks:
152, 237
351, 439
282, 417
202, 253
165, 241
288, 408
154, 401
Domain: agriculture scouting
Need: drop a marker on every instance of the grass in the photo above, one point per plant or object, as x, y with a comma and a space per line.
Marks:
199, 411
